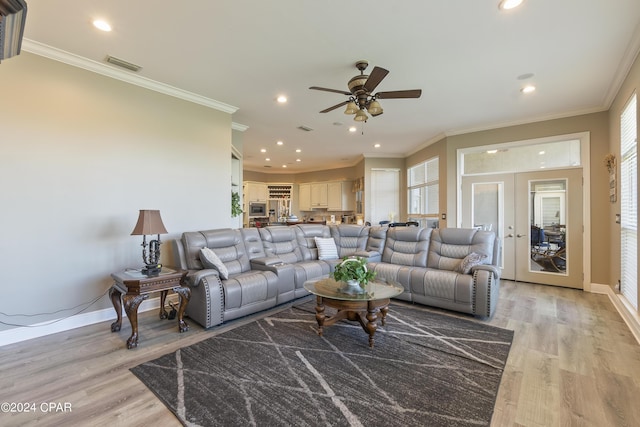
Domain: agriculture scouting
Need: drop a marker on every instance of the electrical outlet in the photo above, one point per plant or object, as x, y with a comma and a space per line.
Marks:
444, 216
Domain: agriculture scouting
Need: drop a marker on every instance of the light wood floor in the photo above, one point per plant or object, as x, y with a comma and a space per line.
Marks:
573, 363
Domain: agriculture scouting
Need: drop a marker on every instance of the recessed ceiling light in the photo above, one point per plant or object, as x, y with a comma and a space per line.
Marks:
528, 89
284, 166
102, 25
541, 152
298, 150
352, 129
376, 145
492, 151
263, 150
279, 143
267, 159
509, 4
282, 99
298, 160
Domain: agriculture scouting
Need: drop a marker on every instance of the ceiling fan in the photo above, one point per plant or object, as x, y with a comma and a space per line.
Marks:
360, 93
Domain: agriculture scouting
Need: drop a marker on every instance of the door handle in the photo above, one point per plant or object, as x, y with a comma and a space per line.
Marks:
520, 235
510, 235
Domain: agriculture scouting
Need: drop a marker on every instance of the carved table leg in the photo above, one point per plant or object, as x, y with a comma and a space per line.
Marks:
383, 314
185, 295
371, 322
163, 311
131, 304
115, 295
320, 316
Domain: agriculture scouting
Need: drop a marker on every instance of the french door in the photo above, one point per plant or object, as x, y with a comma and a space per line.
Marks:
538, 217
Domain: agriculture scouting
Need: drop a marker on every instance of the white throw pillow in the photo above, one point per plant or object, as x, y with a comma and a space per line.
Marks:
211, 260
326, 248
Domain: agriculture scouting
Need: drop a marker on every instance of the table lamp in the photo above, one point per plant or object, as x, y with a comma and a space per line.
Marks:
150, 222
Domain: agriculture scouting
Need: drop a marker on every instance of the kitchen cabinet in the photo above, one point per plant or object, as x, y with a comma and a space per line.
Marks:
340, 196
304, 196
256, 191
319, 195
334, 196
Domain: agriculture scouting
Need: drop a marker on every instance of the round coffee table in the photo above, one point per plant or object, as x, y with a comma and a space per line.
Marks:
362, 307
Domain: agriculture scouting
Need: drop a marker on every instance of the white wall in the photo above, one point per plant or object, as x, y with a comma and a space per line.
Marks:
80, 154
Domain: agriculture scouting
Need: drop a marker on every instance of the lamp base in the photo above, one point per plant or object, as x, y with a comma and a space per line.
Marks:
152, 270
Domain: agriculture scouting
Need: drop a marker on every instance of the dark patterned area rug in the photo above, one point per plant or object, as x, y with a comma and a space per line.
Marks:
426, 369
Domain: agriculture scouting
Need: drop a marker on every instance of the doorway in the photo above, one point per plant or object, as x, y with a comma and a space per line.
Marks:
537, 216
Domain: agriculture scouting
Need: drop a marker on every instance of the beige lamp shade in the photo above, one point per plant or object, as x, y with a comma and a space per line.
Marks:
149, 222
361, 116
374, 107
352, 108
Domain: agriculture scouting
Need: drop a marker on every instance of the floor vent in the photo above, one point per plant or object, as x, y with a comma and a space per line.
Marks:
124, 64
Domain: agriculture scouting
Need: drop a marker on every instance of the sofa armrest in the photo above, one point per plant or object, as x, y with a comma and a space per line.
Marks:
371, 256
486, 267
487, 290
194, 277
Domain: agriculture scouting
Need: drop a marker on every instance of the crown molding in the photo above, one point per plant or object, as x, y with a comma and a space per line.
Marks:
239, 127
125, 76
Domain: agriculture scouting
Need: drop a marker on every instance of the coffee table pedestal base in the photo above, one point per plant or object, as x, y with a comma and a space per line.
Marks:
363, 312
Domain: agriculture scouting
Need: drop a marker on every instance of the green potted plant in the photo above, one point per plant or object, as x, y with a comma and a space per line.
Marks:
235, 204
353, 271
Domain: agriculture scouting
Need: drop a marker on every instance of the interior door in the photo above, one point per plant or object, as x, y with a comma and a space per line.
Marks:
549, 226
488, 204
538, 217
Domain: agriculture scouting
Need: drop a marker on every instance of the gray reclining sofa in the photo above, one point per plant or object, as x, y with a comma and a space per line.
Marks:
453, 268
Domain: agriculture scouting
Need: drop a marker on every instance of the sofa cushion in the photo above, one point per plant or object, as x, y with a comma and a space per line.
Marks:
451, 245
407, 246
209, 259
349, 238
281, 242
306, 234
226, 243
469, 261
326, 248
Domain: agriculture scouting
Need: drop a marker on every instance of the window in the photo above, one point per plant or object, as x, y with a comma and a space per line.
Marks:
629, 202
423, 190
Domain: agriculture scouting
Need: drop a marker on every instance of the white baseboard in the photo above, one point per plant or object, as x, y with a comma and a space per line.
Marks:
626, 310
25, 333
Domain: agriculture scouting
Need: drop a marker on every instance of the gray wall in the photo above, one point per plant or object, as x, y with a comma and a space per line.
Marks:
80, 154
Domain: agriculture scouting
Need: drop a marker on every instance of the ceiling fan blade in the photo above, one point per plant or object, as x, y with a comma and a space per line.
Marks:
396, 94
375, 78
335, 106
331, 90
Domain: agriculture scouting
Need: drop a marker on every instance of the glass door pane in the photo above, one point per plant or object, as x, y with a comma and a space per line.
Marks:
548, 229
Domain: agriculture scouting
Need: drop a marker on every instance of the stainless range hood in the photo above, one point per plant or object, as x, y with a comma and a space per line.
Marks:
13, 16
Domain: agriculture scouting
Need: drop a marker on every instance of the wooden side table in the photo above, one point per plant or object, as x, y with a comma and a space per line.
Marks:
133, 287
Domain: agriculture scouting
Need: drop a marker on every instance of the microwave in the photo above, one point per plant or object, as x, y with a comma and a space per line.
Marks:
257, 209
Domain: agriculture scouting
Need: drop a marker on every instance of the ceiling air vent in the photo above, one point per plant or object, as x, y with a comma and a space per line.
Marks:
124, 64
305, 128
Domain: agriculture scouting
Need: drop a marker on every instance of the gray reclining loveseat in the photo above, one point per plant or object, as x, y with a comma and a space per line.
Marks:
455, 269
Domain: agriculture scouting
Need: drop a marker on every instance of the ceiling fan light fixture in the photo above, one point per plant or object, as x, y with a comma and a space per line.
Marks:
352, 108
361, 116
374, 108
